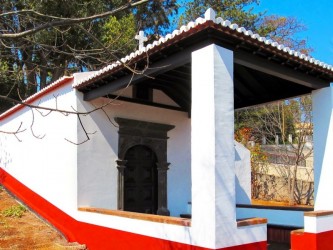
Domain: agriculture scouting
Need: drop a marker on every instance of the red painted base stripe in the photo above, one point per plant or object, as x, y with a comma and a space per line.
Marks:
311, 241
252, 246
98, 237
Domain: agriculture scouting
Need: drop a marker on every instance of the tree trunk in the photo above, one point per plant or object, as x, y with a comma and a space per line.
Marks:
293, 184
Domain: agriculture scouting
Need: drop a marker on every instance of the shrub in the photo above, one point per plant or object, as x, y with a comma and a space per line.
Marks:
14, 211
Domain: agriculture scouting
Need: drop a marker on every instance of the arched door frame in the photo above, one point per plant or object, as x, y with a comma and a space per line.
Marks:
153, 136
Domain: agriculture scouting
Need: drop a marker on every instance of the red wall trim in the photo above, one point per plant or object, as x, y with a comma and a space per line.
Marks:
53, 86
311, 241
98, 237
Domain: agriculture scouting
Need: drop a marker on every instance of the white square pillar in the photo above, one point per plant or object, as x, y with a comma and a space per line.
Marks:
212, 146
322, 107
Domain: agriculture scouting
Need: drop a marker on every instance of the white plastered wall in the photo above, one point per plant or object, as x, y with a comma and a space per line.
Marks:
213, 153
214, 215
322, 101
69, 176
97, 168
243, 174
47, 166
318, 224
97, 172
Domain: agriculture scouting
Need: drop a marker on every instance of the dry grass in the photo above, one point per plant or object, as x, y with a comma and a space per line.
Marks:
21, 229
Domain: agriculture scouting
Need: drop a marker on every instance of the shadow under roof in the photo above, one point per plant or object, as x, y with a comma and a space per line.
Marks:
262, 72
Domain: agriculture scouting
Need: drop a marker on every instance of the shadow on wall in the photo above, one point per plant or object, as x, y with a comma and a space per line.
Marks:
5, 156
241, 195
243, 174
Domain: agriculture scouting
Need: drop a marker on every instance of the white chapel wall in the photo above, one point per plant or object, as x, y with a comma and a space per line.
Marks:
63, 173
97, 172
47, 166
160, 97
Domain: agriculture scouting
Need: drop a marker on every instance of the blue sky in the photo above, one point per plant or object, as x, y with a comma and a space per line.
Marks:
317, 15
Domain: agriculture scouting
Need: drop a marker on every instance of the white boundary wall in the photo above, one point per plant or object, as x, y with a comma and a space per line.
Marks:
47, 166
64, 173
70, 176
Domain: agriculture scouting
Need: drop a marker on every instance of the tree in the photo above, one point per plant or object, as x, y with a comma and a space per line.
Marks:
258, 158
279, 28
41, 41
283, 30
273, 119
6, 83
286, 127
235, 11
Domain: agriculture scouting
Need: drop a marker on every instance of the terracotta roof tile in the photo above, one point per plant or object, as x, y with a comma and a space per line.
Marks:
209, 16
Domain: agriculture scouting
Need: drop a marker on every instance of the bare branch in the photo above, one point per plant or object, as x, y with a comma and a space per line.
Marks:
58, 21
17, 131
109, 52
65, 112
85, 132
31, 127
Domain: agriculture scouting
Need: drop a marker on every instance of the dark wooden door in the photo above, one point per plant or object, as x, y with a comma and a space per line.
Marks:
140, 180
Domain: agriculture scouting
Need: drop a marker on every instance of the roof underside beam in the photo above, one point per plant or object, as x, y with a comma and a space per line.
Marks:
154, 69
278, 70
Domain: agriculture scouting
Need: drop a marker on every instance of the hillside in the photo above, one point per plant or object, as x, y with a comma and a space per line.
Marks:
22, 229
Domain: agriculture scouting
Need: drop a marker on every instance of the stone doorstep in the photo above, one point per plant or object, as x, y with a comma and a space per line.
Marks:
251, 222
139, 216
297, 232
318, 213
164, 219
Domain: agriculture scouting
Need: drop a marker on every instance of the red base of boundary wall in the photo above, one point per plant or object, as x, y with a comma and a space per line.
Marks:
98, 237
310, 241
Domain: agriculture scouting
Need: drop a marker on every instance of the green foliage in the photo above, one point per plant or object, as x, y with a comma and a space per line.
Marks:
36, 60
14, 211
9, 84
154, 17
279, 28
279, 118
30, 63
118, 34
259, 159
